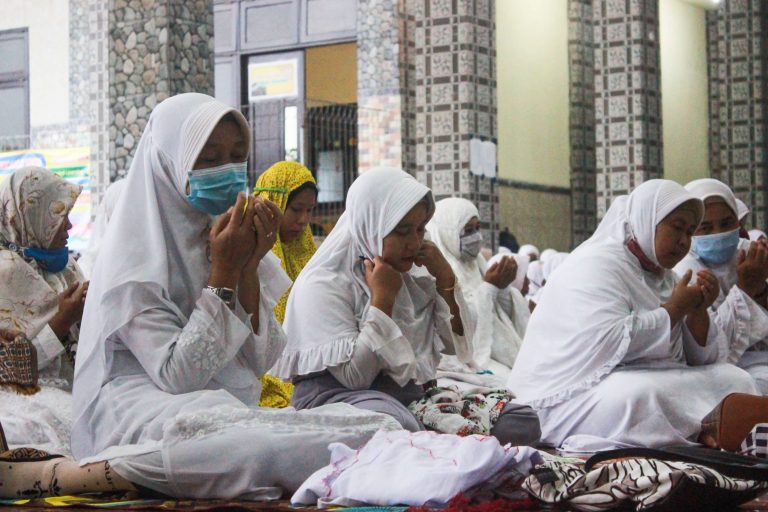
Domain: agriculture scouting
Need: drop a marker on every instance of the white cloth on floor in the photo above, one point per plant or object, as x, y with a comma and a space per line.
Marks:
332, 288
600, 318
42, 421
500, 316
430, 469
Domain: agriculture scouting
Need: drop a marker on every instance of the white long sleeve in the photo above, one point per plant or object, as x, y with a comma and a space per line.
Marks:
743, 321
48, 346
652, 338
380, 346
182, 357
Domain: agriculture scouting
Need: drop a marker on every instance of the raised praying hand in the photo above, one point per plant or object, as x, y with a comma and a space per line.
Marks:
502, 273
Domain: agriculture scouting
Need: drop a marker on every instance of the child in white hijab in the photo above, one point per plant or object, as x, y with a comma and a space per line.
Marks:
741, 268
179, 325
367, 327
500, 312
529, 250
619, 352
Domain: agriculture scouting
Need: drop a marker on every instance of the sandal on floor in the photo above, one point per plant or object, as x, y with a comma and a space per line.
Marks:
732, 420
21, 454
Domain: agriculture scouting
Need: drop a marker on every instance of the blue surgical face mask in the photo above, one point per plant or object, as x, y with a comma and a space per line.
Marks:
716, 249
215, 189
50, 260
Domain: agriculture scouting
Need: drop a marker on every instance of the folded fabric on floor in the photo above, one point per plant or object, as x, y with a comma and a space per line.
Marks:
448, 410
431, 469
756, 442
642, 483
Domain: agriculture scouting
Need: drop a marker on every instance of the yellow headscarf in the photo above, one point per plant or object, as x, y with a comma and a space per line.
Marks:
276, 184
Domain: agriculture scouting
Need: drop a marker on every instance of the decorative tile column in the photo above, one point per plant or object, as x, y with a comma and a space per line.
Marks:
451, 80
627, 96
737, 39
157, 48
581, 57
98, 98
381, 89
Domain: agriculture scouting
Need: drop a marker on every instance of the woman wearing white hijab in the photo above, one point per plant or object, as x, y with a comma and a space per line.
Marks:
548, 267
521, 282
741, 268
103, 213
619, 352
535, 279
500, 313
529, 250
364, 325
179, 325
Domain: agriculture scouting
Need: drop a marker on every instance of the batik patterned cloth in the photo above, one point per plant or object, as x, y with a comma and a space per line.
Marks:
756, 442
18, 365
447, 410
637, 482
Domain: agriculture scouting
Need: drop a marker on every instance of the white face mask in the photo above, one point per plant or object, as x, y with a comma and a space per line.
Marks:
470, 245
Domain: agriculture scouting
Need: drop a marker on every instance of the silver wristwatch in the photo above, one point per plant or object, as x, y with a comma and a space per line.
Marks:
225, 294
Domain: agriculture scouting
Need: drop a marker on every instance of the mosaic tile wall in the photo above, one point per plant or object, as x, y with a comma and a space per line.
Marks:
627, 96
157, 48
98, 97
581, 56
738, 88
380, 77
451, 94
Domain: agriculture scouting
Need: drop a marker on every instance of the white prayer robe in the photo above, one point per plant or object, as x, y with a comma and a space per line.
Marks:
166, 384
500, 316
601, 362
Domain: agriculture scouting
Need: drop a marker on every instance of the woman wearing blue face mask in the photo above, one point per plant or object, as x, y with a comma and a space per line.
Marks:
41, 294
179, 325
741, 268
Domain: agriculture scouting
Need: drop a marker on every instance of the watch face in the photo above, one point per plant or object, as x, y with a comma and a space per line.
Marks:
226, 294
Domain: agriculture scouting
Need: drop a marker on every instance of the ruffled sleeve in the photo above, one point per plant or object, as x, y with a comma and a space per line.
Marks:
743, 322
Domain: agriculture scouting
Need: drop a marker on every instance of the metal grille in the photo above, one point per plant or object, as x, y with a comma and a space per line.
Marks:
320, 135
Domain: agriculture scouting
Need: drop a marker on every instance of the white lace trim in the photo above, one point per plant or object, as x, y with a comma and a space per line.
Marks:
591, 380
205, 352
330, 418
314, 359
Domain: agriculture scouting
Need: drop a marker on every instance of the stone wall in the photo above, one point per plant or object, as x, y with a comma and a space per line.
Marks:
380, 90
157, 48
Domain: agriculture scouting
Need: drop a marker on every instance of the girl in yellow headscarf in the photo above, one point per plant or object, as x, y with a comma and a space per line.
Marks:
292, 187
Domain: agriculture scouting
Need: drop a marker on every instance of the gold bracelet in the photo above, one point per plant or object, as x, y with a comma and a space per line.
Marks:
453, 287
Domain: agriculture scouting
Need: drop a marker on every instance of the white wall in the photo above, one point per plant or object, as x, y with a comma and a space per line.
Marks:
684, 94
532, 90
48, 25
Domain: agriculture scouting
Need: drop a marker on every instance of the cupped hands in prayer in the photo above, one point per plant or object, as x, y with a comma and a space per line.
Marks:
502, 273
